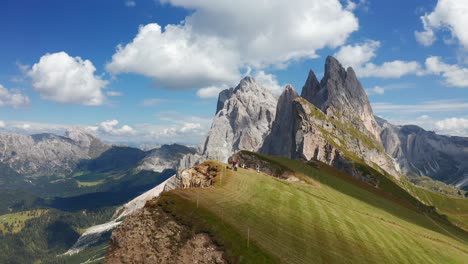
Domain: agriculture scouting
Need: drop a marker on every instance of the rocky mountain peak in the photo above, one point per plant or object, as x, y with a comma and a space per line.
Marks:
243, 119
311, 87
222, 97
286, 97
340, 94
333, 70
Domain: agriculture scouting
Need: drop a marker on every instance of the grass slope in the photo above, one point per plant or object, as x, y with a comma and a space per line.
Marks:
330, 218
15, 222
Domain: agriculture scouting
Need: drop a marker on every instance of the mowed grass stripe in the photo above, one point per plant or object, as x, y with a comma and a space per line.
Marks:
301, 223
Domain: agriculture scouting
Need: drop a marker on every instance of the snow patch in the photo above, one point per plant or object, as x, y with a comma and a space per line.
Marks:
94, 233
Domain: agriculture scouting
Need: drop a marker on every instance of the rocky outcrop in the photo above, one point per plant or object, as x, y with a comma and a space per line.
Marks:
223, 96
164, 157
320, 137
48, 154
332, 122
340, 95
243, 121
311, 87
280, 140
201, 175
153, 236
251, 160
423, 153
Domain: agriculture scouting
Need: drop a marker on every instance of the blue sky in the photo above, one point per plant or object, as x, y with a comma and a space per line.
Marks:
149, 71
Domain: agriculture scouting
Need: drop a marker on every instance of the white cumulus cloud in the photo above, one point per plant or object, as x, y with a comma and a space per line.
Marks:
210, 91
448, 15
2, 124
359, 56
69, 80
454, 75
11, 98
268, 81
220, 38
111, 127
453, 126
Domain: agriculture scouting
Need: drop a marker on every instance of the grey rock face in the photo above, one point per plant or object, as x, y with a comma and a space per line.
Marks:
422, 153
165, 157
311, 87
223, 97
328, 123
242, 123
48, 154
327, 139
340, 94
280, 140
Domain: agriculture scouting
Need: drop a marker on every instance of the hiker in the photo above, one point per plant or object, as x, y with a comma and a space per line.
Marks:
237, 166
234, 165
258, 168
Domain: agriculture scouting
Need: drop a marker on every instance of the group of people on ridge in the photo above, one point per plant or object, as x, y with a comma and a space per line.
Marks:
235, 166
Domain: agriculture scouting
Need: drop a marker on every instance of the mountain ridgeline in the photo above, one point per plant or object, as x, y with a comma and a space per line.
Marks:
423, 153
331, 121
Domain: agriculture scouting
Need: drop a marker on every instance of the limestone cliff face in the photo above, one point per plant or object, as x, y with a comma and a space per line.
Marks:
340, 94
423, 153
332, 122
243, 121
318, 136
280, 140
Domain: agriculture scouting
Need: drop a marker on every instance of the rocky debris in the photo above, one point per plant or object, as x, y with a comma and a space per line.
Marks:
280, 140
48, 154
152, 236
199, 176
243, 121
424, 153
164, 157
340, 94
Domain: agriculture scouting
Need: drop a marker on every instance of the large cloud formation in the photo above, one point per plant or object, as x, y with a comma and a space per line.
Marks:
448, 15
359, 57
69, 80
221, 38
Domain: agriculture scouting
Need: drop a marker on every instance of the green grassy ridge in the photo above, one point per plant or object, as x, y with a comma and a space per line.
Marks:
15, 222
455, 208
200, 220
339, 221
436, 186
443, 208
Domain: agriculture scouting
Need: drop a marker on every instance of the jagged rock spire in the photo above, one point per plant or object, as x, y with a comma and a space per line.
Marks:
341, 93
243, 119
311, 87
280, 141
